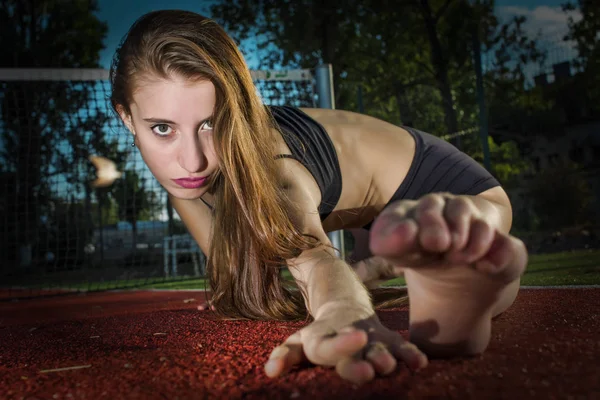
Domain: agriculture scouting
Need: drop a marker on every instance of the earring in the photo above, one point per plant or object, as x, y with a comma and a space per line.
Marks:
132, 144
133, 141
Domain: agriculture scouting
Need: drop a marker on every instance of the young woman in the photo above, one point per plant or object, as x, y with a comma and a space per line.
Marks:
259, 187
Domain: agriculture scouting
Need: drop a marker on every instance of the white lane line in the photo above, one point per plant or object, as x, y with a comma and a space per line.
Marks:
386, 287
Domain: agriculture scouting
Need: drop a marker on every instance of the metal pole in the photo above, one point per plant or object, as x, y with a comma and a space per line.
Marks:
324, 78
166, 247
361, 107
483, 121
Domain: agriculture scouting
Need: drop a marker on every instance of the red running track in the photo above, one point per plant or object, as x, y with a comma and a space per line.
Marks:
156, 345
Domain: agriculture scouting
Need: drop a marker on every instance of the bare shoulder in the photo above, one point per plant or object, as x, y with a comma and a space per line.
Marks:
326, 115
365, 130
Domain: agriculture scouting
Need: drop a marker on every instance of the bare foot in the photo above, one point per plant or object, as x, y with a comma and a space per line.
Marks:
460, 271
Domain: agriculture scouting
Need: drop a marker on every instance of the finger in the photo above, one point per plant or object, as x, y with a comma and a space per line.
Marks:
414, 358
355, 370
381, 359
458, 213
481, 236
434, 235
330, 350
285, 357
205, 306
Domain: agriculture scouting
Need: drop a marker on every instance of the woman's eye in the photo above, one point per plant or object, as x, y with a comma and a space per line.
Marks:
206, 125
162, 129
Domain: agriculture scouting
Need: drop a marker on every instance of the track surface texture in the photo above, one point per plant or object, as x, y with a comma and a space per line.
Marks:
156, 345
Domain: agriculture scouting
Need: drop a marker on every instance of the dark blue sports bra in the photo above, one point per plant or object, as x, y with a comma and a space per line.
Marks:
311, 146
437, 166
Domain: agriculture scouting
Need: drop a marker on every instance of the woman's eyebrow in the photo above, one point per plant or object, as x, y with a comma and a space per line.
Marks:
166, 121
159, 121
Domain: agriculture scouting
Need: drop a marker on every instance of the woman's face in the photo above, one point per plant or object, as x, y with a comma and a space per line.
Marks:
172, 123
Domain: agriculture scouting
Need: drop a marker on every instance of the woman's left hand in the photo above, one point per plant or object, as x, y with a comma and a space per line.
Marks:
358, 348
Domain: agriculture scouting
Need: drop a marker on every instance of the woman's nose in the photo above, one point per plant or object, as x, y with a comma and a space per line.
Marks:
191, 157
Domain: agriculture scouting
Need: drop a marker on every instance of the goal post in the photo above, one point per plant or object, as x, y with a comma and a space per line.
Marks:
324, 81
94, 74
55, 230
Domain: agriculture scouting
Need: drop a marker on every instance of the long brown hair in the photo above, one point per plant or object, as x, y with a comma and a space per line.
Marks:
253, 234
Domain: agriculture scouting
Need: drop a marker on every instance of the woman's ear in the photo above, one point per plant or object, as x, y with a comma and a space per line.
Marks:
126, 118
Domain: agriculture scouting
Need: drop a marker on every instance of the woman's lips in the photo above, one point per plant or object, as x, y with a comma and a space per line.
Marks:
191, 183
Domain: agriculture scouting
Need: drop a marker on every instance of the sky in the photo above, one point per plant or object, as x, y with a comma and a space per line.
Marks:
543, 15
120, 15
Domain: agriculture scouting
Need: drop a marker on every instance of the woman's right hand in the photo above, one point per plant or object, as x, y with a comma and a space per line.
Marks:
359, 348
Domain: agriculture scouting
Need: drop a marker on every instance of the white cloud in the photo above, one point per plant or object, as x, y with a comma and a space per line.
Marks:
550, 22
513, 10
548, 25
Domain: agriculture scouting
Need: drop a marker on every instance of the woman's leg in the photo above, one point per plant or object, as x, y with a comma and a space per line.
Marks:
370, 269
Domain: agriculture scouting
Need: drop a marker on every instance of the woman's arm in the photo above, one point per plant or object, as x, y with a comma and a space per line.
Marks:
346, 331
326, 279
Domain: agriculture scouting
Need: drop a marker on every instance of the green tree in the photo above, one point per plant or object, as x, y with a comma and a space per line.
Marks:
413, 59
62, 231
42, 126
585, 30
586, 34
561, 196
509, 164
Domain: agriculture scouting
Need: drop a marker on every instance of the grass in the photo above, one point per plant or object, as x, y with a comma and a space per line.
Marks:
568, 268
99, 285
580, 267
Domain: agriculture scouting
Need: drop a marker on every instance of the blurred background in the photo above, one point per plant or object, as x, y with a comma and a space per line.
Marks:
514, 84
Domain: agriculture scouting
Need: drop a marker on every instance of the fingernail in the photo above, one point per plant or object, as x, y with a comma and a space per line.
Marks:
279, 352
376, 348
270, 368
347, 329
420, 362
269, 365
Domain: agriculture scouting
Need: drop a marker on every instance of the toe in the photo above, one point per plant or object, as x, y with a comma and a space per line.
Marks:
506, 259
392, 239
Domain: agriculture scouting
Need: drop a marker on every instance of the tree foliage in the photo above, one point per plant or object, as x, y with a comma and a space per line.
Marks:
561, 196
586, 34
135, 202
412, 59
46, 134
